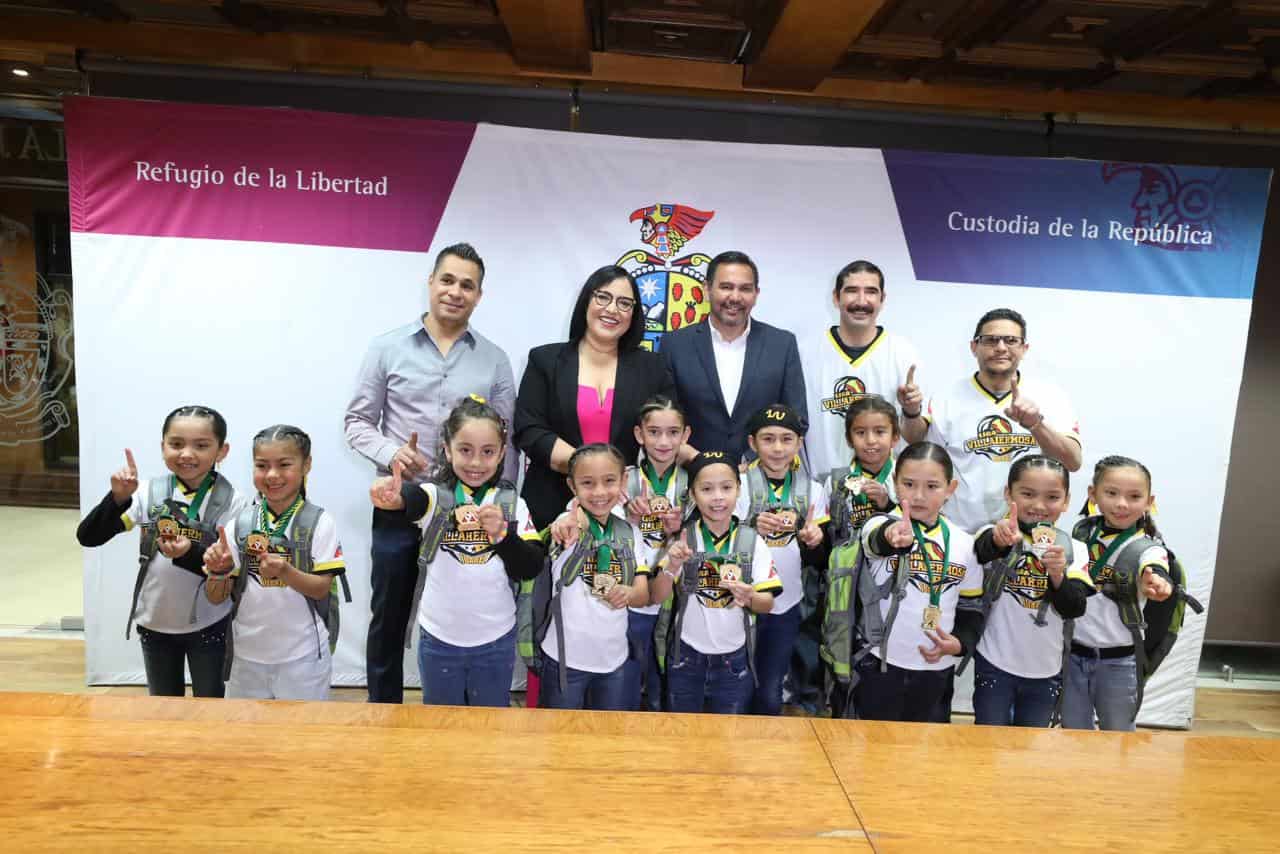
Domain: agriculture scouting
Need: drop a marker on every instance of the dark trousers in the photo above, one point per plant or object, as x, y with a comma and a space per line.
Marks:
775, 641
898, 694
641, 668
164, 654
393, 575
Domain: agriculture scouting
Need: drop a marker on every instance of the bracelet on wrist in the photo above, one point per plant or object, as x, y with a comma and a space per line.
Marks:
915, 414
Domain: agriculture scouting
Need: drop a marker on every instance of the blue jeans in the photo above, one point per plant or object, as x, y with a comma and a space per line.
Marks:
720, 683
641, 668
393, 574
466, 675
1002, 699
775, 640
1108, 686
603, 692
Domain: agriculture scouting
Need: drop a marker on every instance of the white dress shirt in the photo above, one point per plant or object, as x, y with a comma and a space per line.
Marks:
731, 358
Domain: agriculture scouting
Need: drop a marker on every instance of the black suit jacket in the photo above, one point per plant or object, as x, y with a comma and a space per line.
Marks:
547, 408
770, 374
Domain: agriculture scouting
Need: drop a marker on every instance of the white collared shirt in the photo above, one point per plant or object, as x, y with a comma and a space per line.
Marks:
731, 359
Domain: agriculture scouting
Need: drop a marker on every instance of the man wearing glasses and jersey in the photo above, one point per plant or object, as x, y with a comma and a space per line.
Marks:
988, 420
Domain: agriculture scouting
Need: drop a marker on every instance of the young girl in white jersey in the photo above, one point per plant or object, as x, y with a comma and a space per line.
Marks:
786, 508
655, 492
904, 670
285, 557
592, 582
723, 575
1102, 675
478, 542
176, 623
1041, 582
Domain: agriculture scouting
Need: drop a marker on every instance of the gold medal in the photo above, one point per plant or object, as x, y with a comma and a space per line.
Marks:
788, 519
166, 528
1042, 537
602, 583
854, 485
659, 504
467, 517
932, 617
730, 572
257, 543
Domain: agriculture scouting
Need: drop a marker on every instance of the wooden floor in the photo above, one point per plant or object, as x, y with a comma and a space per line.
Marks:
143, 774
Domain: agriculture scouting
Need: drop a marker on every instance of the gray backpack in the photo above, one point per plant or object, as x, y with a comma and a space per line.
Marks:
760, 496
299, 547
160, 504
433, 535
671, 618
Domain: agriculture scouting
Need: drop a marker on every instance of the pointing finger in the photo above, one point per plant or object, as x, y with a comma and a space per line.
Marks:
413, 441
911, 375
397, 472
133, 467
222, 538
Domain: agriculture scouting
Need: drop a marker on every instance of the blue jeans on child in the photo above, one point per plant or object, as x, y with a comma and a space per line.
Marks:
1108, 686
466, 675
1002, 699
775, 641
641, 668
603, 692
721, 683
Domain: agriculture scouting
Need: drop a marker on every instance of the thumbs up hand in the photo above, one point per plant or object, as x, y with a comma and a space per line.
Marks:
1006, 531
900, 534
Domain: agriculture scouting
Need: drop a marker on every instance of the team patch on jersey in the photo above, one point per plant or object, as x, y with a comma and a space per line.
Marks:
589, 570
1029, 585
652, 529
920, 570
997, 441
251, 566
469, 548
709, 589
846, 392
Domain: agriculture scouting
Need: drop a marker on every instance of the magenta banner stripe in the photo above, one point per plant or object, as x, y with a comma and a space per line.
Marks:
269, 175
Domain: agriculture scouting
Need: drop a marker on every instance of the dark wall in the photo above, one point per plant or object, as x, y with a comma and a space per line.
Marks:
1247, 589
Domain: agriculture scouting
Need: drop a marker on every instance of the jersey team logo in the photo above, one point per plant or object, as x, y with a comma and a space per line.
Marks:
469, 548
847, 392
920, 570
997, 441
673, 291
1029, 585
709, 589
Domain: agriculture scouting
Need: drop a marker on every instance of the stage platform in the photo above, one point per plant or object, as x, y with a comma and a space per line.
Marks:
141, 774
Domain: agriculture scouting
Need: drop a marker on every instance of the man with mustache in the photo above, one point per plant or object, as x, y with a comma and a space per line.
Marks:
856, 359
412, 377
732, 366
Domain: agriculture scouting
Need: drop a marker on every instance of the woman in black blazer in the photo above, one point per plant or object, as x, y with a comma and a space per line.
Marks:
591, 386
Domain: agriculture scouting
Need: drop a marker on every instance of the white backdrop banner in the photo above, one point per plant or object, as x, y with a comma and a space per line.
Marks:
244, 258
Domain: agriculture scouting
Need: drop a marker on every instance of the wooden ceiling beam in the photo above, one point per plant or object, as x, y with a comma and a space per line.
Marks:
809, 40
26, 35
548, 33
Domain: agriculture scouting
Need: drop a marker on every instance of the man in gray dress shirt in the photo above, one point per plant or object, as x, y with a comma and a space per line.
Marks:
410, 380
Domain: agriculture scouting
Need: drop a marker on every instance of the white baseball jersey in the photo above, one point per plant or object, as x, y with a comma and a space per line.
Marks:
164, 603
1012, 640
983, 441
467, 599
963, 577
274, 623
595, 634
713, 625
785, 548
833, 382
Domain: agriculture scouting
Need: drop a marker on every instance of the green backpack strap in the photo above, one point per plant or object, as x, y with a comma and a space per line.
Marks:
158, 491
838, 505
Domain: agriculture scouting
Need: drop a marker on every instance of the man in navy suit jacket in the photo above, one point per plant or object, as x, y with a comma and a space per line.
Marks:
730, 367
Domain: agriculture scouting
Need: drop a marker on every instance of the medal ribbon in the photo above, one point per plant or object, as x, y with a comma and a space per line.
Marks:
193, 509
602, 534
780, 496
1100, 563
880, 478
935, 591
718, 545
659, 484
282, 521
464, 495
